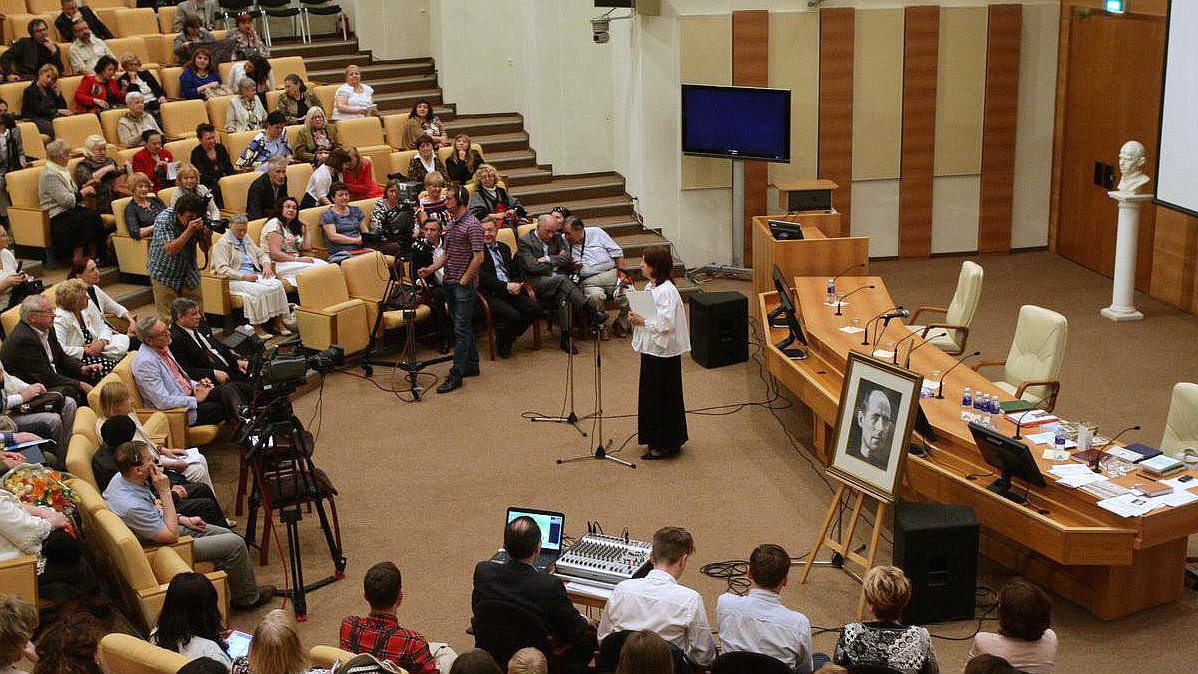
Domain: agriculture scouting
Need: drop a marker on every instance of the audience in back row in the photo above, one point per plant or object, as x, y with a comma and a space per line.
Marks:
212, 160
269, 143
380, 633
73, 11
422, 123
135, 79
136, 121
99, 90
200, 78
245, 110
75, 229
354, 99
295, 102
194, 36
27, 56
317, 139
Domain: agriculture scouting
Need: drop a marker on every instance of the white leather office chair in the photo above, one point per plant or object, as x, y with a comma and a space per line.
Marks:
1033, 365
951, 334
1181, 427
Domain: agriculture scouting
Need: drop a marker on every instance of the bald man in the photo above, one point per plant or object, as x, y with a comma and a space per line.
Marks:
544, 257
875, 425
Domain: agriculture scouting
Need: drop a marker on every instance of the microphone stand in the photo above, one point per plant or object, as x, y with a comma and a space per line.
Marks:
962, 359
915, 347
840, 299
1102, 451
1024, 413
870, 322
602, 449
572, 418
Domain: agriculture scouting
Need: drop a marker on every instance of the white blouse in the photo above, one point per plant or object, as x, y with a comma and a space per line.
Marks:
664, 335
357, 99
20, 532
8, 267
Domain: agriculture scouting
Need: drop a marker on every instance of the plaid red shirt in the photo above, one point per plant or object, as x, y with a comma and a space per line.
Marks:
380, 635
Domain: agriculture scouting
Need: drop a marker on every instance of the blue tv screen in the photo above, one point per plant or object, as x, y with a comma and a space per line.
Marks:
736, 122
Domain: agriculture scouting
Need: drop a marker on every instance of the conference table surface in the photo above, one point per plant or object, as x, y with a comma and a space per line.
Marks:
1062, 524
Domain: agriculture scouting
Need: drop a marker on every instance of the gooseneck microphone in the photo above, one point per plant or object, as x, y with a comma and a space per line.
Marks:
1102, 450
870, 322
916, 347
962, 359
847, 270
841, 298
886, 318
1023, 413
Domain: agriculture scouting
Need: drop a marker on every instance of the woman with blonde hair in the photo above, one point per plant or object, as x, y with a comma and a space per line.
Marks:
18, 620
276, 649
188, 178
143, 209
135, 79
884, 640
528, 661
354, 99
463, 161
645, 653
81, 335
317, 139
490, 199
101, 172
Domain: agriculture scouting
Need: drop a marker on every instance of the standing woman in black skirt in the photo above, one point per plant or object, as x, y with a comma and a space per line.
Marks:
661, 340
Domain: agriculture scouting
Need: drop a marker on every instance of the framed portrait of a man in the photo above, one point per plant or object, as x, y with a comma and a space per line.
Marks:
873, 426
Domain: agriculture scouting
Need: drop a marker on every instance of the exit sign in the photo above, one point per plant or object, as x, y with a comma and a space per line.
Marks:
1116, 6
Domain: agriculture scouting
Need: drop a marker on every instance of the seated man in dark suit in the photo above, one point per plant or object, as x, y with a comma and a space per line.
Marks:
544, 257
543, 595
73, 11
267, 190
499, 280
197, 350
32, 353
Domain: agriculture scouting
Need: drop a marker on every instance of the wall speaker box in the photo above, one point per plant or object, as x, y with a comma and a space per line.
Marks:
613, 3
808, 200
719, 324
936, 545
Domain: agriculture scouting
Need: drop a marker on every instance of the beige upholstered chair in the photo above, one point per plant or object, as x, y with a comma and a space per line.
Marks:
1033, 365
327, 315
125, 654
366, 279
181, 434
1181, 427
951, 334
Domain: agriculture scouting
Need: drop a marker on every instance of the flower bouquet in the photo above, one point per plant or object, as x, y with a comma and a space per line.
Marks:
40, 486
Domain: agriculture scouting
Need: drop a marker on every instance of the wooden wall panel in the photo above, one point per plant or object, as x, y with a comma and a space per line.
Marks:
794, 65
751, 68
921, 36
878, 94
706, 58
999, 128
836, 30
1175, 259
960, 91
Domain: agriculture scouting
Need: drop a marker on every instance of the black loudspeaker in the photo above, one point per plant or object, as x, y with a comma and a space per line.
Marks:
719, 328
936, 545
808, 200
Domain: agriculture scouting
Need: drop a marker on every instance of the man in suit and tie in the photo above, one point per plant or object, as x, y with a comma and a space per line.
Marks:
517, 582
544, 258
198, 352
164, 385
32, 353
499, 279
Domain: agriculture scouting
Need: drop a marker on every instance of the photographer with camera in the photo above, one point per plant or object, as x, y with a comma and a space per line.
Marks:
393, 219
178, 232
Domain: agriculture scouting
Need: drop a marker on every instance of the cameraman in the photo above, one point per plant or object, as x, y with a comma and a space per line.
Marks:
425, 251
394, 220
178, 232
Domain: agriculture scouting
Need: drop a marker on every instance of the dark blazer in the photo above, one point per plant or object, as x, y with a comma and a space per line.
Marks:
66, 29
24, 357
529, 250
542, 594
212, 171
26, 56
151, 82
194, 359
260, 202
488, 280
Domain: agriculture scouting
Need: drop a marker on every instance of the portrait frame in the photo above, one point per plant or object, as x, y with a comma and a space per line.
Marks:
873, 461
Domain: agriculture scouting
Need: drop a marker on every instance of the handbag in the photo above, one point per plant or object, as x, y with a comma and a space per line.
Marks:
50, 401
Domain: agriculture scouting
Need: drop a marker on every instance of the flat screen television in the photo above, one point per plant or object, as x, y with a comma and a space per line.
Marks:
736, 122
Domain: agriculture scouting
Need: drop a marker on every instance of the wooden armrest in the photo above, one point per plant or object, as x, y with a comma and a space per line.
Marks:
1054, 387
988, 363
942, 326
930, 309
532, 294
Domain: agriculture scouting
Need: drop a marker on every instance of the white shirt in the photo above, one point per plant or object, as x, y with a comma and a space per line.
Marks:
759, 623
13, 386
362, 99
204, 343
8, 267
199, 647
664, 335
659, 604
597, 252
84, 56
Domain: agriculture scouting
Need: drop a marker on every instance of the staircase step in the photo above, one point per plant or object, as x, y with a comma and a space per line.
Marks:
565, 190
317, 47
131, 296
502, 141
590, 208
403, 83
475, 125
402, 101
331, 69
617, 225
527, 175
635, 244
506, 160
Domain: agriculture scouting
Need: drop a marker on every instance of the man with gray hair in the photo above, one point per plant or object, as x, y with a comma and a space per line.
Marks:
544, 257
164, 384
265, 192
602, 262
32, 353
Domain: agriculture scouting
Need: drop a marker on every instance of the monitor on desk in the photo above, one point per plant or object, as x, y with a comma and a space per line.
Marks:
785, 231
785, 316
1011, 457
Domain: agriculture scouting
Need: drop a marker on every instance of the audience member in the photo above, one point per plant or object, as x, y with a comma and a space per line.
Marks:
189, 622
1025, 637
141, 496
354, 99
528, 660
245, 111
135, 79
26, 57
884, 641
517, 582
500, 281
12, 158
69, 646
358, 174
659, 604
989, 664
288, 242
164, 385
212, 160
758, 622
475, 661
257, 69
317, 139
87, 49
269, 143
204, 665
143, 209
99, 171
100, 304
193, 38
153, 159
295, 102
136, 121
188, 178
99, 90
276, 648
545, 262
204, 10
343, 225
32, 353
78, 331
644, 652
425, 161
602, 264
431, 202
380, 633
492, 200
42, 100
11, 275
251, 276
317, 193
18, 620
266, 191
73, 11
428, 250
57, 426
422, 123
463, 161
197, 350
74, 229
200, 78
44, 533
391, 218
245, 39
171, 261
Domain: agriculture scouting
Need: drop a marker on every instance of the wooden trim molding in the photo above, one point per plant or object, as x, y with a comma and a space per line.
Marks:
921, 47
836, 34
751, 68
999, 128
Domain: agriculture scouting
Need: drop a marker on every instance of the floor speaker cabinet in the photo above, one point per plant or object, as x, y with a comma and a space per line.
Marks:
719, 326
936, 545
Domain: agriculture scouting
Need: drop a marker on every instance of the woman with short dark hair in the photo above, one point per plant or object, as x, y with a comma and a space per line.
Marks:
189, 622
885, 641
1025, 638
100, 90
69, 646
645, 652
661, 339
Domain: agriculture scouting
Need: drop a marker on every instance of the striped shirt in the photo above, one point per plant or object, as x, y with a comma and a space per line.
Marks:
463, 239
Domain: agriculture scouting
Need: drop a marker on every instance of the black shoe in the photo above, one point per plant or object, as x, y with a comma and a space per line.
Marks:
569, 347
504, 349
653, 454
450, 384
598, 317
265, 594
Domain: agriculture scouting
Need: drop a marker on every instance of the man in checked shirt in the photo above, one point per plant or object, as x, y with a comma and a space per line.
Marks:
379, 633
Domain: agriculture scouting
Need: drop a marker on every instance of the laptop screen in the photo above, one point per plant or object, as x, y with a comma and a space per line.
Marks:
551, 525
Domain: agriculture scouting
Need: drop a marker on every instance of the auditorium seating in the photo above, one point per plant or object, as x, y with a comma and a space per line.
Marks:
131, 253
32, 141
76, 128
366, 279
235, 189
18, 576
126, 654
191, 436
85, 442
1033, 365
169, 79
1181, 426
327, 315
136, 45
218, 111
181, 149
29, 224
134, 21
297, 181
180, 118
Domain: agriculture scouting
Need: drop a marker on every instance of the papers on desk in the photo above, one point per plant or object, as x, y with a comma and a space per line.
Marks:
1106, 489
1074, 475
588, 590
831, 303
852, 330
1177, 484
883, 354
1133, 504
1047, 438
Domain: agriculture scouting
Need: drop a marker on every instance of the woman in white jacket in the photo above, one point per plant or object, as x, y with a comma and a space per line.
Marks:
252, 277
100, 304
80, 333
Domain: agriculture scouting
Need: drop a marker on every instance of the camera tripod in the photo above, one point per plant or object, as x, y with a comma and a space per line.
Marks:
602, 448
572, 418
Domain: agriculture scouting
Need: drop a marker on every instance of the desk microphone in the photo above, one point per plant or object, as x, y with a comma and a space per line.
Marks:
907, 362
870, 322
1102, 450
962, 359
849, 294
886, 318
847, 270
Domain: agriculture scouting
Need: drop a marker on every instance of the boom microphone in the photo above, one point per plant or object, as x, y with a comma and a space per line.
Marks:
962, 359
870, 322
840, 299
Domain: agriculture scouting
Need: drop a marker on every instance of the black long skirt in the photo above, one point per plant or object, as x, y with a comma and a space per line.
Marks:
76, 228
661, 419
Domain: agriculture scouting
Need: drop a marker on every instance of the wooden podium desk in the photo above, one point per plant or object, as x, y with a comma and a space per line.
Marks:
1111, 565
816, 254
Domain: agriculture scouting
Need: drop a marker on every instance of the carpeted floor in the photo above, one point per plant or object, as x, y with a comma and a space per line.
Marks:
426, 485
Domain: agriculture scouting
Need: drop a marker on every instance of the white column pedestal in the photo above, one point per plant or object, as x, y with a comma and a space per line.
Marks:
1124, 287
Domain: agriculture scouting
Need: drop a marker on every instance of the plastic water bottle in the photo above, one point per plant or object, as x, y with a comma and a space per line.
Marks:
966, 398
1058, 444
831, 291
995, 406
986, 420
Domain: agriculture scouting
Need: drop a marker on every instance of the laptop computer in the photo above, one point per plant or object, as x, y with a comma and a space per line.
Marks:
553, 527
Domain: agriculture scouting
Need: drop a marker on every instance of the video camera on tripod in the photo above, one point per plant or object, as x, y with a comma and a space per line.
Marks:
281, 369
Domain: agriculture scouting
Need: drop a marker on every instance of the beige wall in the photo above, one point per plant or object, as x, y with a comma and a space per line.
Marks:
392, 29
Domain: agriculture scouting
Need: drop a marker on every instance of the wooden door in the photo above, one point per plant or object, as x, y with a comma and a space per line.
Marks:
1112, 95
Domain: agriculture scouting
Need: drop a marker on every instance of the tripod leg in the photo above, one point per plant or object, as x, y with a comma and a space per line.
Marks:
299, 597
333, 541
